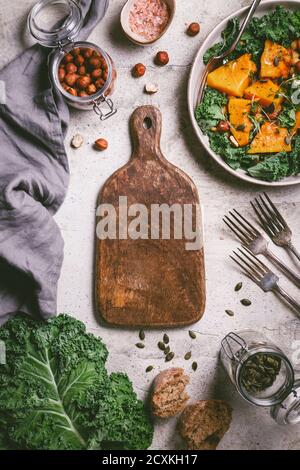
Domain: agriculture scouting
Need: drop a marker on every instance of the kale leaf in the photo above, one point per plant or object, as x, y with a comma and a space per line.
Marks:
287, 117
209, 113
55, 392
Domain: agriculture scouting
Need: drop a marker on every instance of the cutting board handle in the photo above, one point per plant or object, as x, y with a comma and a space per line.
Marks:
145, 126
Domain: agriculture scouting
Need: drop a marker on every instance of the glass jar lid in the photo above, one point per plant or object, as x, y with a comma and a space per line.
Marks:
55, 22
288, 411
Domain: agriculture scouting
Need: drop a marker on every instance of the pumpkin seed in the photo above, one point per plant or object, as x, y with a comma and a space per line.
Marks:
241, 127
140, 345
188, 356
246, 302
167, 350
192, 334
276, 61
194, 366
142, 335
169, 356
230, 313
166, 339
149, 368
161, 346
260, 372
287, 140
238, 286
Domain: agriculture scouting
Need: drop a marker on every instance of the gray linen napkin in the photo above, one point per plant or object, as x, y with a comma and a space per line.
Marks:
34, 177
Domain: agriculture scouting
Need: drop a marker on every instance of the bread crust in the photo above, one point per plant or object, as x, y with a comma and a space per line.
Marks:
169, 396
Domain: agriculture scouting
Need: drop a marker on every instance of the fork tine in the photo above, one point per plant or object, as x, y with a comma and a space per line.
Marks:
268, 221
247, 225
273, 217
246, 272
276, 210
254, 260
261, 219
251, 268
244, 238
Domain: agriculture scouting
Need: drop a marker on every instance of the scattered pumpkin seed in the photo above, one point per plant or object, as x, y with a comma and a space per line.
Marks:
276, 61
241, 127
194, 366
230, 313
192, 334
188, 356
149, 368
287, 140
161, 346
140, 345
238, 286
246, 302
166, 339
167, 350
169, 356
142, 335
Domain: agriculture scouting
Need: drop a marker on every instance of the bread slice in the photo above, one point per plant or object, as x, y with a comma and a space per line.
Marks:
169, 395
203, 424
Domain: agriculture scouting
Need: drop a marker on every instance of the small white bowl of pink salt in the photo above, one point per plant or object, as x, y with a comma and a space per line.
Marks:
145, 21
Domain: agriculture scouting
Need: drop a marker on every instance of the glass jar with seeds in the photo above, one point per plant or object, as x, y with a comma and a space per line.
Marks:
262, 374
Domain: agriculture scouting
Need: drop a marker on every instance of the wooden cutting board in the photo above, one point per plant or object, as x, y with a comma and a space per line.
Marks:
148, 282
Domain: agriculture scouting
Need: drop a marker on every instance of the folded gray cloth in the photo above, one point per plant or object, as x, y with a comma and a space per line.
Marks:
34, 177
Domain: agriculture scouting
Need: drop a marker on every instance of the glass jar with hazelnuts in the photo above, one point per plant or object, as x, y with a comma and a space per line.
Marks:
81, 71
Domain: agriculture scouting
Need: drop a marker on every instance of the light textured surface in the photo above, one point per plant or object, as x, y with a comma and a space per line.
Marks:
252, 428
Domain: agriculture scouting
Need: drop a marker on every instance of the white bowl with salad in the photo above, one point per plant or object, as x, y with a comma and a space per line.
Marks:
249, 117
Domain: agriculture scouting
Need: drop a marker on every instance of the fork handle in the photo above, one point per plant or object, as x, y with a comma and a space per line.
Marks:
289, 299
292, 248
288, 271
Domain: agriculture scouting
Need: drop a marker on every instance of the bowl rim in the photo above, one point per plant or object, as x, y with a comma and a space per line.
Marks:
135, 38
209, 41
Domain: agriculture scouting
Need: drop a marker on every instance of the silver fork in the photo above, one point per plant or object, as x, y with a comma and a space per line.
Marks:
259, 273
255, 242
274, 224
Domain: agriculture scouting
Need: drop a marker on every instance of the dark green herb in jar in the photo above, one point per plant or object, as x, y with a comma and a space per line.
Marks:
260, 372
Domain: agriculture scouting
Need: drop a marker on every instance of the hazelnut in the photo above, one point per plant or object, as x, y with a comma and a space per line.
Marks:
162, 58
105, 75
71, 68
82, 70
83, 94
91, 89
297, 67
151, 88
95, 62
87, 53
68, 58
96, 73
99, 83
193, 29
138, 70
71, 78
61, 74
76, 51
72, 91
77, 141
83, 82
79, 60
101, 144
223, 126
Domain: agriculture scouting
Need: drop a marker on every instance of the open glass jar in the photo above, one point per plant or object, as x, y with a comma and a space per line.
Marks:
262, 374
56, 24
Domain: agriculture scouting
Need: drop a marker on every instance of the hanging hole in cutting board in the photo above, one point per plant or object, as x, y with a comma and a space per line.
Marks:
147, 123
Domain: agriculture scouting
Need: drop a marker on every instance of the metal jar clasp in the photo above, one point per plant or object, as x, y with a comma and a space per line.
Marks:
111, 110
229, 341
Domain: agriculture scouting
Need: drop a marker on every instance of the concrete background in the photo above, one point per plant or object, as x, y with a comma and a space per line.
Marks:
252, 427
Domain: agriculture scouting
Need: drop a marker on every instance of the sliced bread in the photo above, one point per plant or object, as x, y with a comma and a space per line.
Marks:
169, 396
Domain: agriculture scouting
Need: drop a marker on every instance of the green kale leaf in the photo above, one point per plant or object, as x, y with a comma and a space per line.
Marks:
55, 392
209, 112
273, 168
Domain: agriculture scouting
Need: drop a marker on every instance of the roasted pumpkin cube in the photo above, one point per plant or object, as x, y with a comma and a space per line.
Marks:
241, 125
265, 92
276, 61
271, 139
234, 77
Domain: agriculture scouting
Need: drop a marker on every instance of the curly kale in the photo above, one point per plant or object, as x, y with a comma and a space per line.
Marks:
55, 392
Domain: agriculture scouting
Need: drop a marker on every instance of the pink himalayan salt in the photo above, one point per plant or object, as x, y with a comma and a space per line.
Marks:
148, 18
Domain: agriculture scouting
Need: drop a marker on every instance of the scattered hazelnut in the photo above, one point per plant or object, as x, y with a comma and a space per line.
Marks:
96, 73
71, 68
223, 126
61, 74
297, 66
162, 58
151, 88
77, 141
193, 29
71, 78
68, 58
138, 70
83, 82
91, 89
95, 62
234, 141
79, 60
295, 57
101, 144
